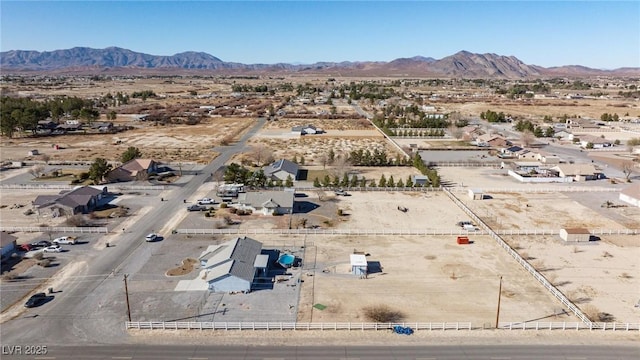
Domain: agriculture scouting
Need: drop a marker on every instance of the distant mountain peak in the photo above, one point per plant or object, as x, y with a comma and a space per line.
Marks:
461, 64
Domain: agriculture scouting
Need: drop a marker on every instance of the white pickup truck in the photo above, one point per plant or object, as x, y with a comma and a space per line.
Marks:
68, 240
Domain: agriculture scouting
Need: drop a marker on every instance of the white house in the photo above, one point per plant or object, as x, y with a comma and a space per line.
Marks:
580, 172
267, 202
597, 142
231, 266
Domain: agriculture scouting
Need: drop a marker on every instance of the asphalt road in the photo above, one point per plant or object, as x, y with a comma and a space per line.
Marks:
457, 352
89, 307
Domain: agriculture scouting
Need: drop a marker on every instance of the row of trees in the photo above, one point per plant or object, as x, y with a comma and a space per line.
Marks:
417, 133
235, 173
492, 116
537, 131
355, 181
609, 117
23, 114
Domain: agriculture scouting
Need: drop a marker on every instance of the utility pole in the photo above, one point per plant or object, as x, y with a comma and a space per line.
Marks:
126, 292
499, 296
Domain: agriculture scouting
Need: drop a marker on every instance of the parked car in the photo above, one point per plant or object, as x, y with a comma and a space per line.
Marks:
151, 237
53, 248
463, 223
196, 208
36, 300
25, 247
65, 240
206, 201
41, 243
341, 192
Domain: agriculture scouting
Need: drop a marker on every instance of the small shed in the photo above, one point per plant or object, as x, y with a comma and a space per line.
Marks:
476, 194
33, 152
358, 264
575, 234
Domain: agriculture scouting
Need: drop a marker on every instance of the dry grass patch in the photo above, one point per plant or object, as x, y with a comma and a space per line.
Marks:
187, 266
382, 314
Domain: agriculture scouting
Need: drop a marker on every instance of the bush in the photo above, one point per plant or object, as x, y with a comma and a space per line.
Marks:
44, 262
77, 220
207, 214
38, 256
382, 314
223, 206
233, 210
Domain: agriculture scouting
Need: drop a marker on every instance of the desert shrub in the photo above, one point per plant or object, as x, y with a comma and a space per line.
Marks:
8, 277
77, 220
340, 212
38, 256
227, 220
382, 314
594, 314
232, 210
44, 262
207, 214
223, 205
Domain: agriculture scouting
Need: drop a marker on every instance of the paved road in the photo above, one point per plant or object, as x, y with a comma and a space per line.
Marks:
457, 352
90, 307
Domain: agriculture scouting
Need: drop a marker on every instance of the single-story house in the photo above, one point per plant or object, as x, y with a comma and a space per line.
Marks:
509, 152
136, 169
267, 202
471, 132
577, 234
358, 264
81, 200
563, 135
546, 158
231, 266
7, 244
631, 195
597, 142
580, 123
281, 169
305, 130
525, 154
527, 166
492, 140
580, 172
420, 180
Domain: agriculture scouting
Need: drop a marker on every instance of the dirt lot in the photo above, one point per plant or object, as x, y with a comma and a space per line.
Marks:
427, 278
162, 143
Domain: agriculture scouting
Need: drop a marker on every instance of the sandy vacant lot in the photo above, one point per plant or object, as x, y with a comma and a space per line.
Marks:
426, 278
163, 143
599, 277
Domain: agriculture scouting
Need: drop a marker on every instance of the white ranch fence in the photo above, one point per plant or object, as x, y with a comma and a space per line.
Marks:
442, 326
369, 232
82, 230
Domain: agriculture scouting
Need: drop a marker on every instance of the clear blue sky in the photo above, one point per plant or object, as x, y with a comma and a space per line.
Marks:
548, 33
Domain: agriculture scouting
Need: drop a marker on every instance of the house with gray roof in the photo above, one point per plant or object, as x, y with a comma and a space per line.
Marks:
81, 200
267, 202
281, 169
231, 266
7, 244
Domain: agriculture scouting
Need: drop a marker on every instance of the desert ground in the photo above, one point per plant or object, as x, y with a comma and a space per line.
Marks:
168, 143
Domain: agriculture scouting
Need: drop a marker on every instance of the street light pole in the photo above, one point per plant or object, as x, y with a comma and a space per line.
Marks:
499, 296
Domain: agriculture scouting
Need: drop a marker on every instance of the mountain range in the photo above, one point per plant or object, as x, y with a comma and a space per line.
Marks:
114, 60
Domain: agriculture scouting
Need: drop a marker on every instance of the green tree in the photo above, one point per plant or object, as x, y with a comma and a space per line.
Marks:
400, 184
131, 153
316, 182
301, 159
326, 181
289, 181
345, 180
391, 182
549, 132
111, 115
99, 168
589, 145
383, 181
